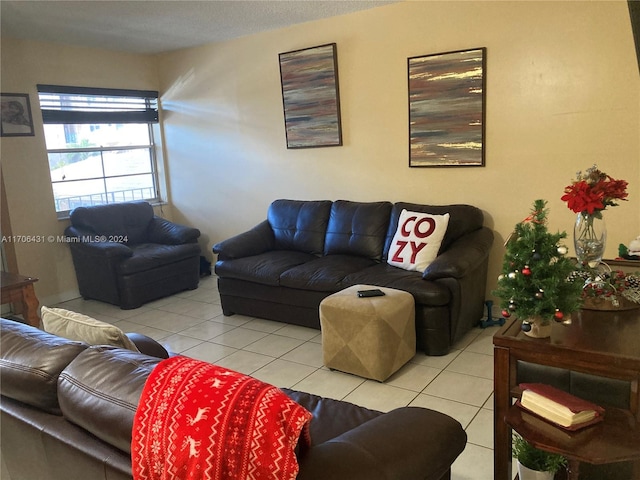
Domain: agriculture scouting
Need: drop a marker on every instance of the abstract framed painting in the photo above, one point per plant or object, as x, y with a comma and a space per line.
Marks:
447, 109
311, 97
16, 115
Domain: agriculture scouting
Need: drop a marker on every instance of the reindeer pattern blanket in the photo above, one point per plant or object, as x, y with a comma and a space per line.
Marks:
198, 421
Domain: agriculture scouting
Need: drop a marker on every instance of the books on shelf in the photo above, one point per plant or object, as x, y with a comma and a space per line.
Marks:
558, 406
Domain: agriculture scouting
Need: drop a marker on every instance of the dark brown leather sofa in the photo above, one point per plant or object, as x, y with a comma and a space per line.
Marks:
67, 414
306, 250
125, 255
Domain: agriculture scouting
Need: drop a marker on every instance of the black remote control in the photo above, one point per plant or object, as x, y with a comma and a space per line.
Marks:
370, 293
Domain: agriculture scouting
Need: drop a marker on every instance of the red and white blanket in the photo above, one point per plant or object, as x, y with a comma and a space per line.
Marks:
200, 421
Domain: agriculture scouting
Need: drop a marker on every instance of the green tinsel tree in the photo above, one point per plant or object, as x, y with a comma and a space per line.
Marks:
535, 271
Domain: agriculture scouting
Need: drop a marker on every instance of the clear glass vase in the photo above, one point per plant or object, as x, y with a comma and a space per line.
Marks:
589, 238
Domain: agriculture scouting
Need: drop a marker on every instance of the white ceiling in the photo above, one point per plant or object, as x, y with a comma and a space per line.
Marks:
151, 26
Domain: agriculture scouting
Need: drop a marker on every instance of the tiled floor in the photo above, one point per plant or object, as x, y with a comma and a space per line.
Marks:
459, 384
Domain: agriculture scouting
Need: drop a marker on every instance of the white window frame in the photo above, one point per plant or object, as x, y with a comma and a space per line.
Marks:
138, 106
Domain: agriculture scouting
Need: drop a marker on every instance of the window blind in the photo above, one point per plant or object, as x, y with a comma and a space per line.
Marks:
74, 105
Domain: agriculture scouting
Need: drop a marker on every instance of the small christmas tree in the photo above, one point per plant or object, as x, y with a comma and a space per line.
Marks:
534, 280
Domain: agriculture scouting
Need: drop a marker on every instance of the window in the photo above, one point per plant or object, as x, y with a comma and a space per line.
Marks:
100, 145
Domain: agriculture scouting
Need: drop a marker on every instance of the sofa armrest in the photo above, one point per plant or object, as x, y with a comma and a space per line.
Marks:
91, 244
462, 257
164, 232
258, 240
408, 443
148, 345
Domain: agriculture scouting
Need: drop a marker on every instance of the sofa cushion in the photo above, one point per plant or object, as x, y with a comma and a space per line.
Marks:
31, 361
323, 274
424, 292
331, 418
100, 391
127, 222
463, 219
148, 256
265, 268
299, 225
417, 240
357, 228
76, 326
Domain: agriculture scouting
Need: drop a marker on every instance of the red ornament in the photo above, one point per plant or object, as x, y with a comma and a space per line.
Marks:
558, 315
526, 271
506, 313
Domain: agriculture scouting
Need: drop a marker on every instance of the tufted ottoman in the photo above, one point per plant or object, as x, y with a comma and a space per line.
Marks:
371, 337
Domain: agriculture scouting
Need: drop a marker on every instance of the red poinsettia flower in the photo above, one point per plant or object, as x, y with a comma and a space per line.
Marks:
594, 191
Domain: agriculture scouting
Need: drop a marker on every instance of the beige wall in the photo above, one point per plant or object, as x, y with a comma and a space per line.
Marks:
563, 92
24, 159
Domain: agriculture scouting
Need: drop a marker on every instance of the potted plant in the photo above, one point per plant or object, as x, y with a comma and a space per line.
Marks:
533, 463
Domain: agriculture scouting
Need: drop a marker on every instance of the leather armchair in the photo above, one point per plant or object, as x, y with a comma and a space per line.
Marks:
125, 255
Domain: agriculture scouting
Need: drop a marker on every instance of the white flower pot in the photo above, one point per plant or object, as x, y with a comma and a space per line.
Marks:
525, 473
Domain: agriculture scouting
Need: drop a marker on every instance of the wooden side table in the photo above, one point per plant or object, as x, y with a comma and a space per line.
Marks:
603, 344
18, 289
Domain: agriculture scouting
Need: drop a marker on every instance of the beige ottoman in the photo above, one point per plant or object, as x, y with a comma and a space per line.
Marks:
371, 337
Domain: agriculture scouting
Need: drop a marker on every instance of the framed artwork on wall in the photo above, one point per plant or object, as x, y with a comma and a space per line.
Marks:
16, 117
446, 109
311, 97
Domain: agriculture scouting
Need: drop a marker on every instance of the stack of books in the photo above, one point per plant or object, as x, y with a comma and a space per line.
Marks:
559, 407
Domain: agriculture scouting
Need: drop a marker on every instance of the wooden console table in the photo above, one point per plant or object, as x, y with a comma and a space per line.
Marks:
18, 289
604, 344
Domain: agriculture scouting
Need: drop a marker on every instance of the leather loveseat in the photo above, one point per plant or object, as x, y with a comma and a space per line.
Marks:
125, 255
68, 408
307, 250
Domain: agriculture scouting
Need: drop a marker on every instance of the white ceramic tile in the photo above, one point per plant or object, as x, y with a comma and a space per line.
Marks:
264, 325
462, 412
234, 320
207, 330
274, 345
296, 331
460, 388
309, 353
179, 305
474, 463
488, 405
466, 339
283, 373
209, 352
206, 296
326, 383
480, 430
238, 337
413, 377
171, 322
132, 327
380, 396
203, 311
178, 343
483, 343
435, 362
244, 362
470, 363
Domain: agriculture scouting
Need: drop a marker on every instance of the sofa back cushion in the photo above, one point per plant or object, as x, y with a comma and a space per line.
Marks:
121, 222
31, 361
299, 225
357, 228
100, 390
463, 219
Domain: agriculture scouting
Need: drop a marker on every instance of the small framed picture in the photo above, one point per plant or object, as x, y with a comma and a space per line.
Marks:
16, 115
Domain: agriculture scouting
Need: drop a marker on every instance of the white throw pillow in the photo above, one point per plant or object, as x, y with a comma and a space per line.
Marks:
417, 240
79, 327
